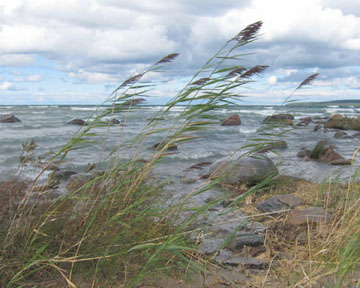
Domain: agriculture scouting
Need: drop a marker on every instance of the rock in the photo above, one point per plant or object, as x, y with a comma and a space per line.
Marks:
285, 119
243, 239
246, 262
159, 146
245, 170
304, 121
277, 145
233, 120
337, 121
9, 118
327, 154
114, 121
63, 175
77, 121
339, 134
199, 166
279, 202
304, 153
210, 245
308, 215
356, 135
317, 127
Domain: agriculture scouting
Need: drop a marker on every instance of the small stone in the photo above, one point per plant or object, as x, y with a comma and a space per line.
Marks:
312, 215
279, 202
114, 121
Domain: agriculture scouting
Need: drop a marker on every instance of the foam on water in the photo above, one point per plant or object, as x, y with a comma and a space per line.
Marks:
84, 108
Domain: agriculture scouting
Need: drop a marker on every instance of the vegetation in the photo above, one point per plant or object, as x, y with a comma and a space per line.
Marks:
110, 228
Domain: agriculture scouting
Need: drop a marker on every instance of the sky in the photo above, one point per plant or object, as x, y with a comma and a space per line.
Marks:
78, 51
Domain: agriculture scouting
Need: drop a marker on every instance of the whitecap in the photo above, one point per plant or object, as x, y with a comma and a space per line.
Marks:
84, 108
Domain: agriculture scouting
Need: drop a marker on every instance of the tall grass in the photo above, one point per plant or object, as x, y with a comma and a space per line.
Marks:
111, 226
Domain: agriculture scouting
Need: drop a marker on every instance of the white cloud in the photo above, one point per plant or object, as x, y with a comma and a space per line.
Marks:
91, 77
100, 41
6, 85
35, 78
272, 80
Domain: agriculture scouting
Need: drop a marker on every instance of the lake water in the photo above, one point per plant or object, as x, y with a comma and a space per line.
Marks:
47, 126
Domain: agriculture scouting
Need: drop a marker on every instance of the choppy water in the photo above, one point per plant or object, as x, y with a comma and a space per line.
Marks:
47, 126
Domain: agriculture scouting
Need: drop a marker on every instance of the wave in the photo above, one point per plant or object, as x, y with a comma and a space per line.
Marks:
84, 108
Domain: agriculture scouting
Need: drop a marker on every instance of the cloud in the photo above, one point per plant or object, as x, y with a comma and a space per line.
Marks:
272, 80
106, 41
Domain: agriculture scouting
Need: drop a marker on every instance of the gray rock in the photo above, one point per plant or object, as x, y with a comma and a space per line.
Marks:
312, 215
9, 118
210, 245
77, 121
114, 121
279, 202
304, 153
246, 170
246, 262
63, 175
243, 239
339, 134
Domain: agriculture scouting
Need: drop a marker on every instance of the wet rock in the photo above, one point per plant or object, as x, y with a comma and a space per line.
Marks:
77, 121
114, 121
246, 170
159, 146
339, 134
243, 239
279, 202
233, 120
327, 154
356, 135
317, 127
304, 153
338, 121
285, 119
63, 175
312, 215
199, 166
277, 145
9, 118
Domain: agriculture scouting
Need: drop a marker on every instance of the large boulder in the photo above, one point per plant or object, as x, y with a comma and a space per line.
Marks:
233, 120
281, 118
326, 153
247, 170
338, 121
77, 121
9, 118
